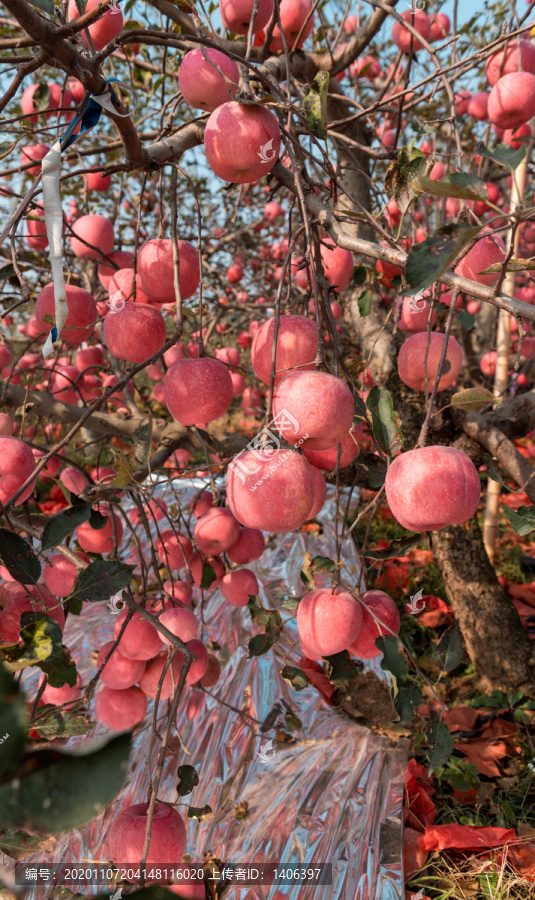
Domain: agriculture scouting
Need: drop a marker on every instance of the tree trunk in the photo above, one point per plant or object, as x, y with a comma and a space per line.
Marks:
497, 644
502, 653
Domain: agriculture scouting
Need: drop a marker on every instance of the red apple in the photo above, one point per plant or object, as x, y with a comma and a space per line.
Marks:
16, 465
33, 153
519, 57
140, 639
93, 540
61, 574
173, 550
96, 231
236, 15
430, 488
293, 15
416, 360
383, 608
119, 672
402, 37
315, 409
237, 586
326, 459
274, 493
123, 259
134, 333
202, 84
197, 390
297, 340
328, 622
241, 142
27, 599
249, 546
126, 837
156, 270
82, 313
120, 710
216, 531
105, 29
512, 100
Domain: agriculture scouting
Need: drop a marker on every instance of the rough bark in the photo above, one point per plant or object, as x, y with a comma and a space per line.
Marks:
498, 646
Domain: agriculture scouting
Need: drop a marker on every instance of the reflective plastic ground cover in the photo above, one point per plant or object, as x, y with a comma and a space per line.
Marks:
333, 796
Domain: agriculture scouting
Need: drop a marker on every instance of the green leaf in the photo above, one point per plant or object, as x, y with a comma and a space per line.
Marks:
101, 580
67, 792
259, 645
496, 700
60, 669
47, 6
41, 98
315, 105
41, 636
202, 813
17, 844
6, 271
342, 669
208, 576
142, 441
365, 303
13, 720
361, 413
493, 472
296, 677
396, 548
97, 520
290, 602
514, 265
504, 155
522, 519
400, 175
124, 472
456, 184
408, 698
360, 275
323, 564
270, 620
474, 398
427, 261
53, 721
465, 319
393, 660
292, 721
187, 780
441, 742
386, 425
450, 650
63, 524
5, 149
19, 558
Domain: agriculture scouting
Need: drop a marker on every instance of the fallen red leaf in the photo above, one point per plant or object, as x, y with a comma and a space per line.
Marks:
514, 501
521, 858
525, 592
461, 718
465, 837
414, 855
421, 557
317, 678
436, 612
483, 755
418, 791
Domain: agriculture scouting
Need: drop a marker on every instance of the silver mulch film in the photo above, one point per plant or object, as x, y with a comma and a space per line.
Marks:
333, 796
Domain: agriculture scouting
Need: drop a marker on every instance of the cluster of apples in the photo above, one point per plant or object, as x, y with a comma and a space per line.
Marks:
510, 103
